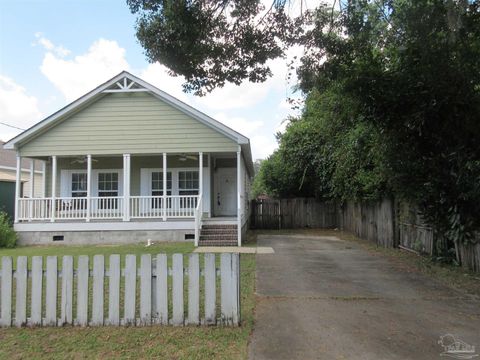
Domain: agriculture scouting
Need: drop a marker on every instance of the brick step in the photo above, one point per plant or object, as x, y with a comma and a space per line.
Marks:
219, 231
218, 226
217, 243
218, 237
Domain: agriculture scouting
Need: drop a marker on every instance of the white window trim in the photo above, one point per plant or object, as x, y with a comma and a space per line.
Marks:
66, 180
146, 178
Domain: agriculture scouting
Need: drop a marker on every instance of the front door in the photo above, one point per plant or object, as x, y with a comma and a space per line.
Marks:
225, 192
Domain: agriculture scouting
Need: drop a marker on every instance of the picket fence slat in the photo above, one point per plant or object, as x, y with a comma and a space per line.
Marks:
21, 293
51, 291
130, 288
82, 288
98, 290
162, 289
177, 289
67, 291
82, 291
193, 289
210, 289
37, 285
146, 289
6, 296
114, 291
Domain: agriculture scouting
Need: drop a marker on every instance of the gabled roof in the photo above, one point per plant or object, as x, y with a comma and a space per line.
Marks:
126, 82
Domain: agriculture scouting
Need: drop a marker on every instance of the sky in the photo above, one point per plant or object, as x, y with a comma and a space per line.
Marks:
52, 52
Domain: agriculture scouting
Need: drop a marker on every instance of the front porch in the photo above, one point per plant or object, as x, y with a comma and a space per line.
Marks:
103, 193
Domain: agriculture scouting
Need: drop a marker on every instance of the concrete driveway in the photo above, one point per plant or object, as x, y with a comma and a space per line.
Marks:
325, 298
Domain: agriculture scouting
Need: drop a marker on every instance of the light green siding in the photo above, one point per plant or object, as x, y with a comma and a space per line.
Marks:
135, 123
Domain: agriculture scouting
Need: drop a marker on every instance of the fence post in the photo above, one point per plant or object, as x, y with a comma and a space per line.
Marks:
230, 301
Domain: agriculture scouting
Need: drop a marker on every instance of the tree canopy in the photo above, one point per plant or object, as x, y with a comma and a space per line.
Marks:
392, 94
211, 42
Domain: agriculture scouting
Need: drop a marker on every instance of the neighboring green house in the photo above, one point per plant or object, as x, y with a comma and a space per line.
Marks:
127, 162
7, 180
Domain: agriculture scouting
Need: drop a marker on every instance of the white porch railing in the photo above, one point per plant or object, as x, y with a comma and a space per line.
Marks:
75, 208
198, 220
176, 206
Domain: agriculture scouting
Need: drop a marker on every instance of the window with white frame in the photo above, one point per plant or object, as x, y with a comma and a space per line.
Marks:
79, 185
108, 187
188, 182
157, 187
188, 185
78, 190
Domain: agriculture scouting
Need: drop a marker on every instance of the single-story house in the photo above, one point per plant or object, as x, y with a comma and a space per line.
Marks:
30, 169
128, 162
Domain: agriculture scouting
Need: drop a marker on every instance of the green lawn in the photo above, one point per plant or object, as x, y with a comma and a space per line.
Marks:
133, 342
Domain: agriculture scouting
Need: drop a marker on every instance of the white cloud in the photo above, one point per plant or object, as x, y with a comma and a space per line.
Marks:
157, 75
263, 146
244, 126
74, 77
48, 45
17, 108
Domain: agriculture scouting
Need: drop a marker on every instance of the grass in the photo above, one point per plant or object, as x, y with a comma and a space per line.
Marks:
133, 342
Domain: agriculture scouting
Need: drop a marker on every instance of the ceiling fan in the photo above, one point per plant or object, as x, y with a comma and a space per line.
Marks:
81, 160
184, 157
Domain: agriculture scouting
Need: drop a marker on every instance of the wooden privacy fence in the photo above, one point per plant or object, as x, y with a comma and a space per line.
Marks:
373, 221
293, 213
154, 293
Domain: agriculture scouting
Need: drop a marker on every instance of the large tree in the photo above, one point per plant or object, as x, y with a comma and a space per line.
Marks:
393, 90
211, 42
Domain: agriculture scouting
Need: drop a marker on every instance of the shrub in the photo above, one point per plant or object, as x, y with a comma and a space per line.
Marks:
8, 237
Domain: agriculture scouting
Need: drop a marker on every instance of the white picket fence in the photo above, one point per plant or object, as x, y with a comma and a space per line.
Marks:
154, 293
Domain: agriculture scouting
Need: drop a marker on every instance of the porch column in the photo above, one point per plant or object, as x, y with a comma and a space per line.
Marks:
239, 203
126, 187
54, 188
31, 189
89, 186
32, 178
164, 172
44, 179
18, 184
200, 174
210, 182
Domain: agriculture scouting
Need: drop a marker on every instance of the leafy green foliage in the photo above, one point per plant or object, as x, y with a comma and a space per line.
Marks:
212, 42
392, 95
327, 154
8, 237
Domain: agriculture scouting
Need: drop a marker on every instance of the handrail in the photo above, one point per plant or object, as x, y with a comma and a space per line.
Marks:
198, 219
109, 207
